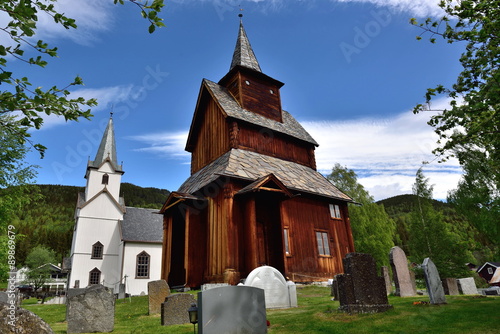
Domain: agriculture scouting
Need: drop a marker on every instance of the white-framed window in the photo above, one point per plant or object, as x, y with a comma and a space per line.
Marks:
105, 178
94, 276
335, 211
97, 250
142, 265
286, 240
323, 243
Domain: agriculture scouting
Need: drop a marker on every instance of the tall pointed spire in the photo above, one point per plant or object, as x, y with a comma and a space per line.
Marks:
107, 148
243, 54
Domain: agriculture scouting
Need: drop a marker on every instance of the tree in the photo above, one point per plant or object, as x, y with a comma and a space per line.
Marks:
472, 121
478, 199
14, 174
430, 236
372, 229
39, 270
18, 94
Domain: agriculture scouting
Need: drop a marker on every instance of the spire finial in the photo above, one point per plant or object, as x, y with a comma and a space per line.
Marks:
240, 15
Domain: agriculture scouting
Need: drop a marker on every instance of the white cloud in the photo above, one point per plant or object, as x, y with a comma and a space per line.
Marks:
384, 153
92, 17
105, 97
419, 8
165, 144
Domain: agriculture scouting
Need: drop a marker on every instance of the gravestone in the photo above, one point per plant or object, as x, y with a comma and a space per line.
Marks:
209, 286
4, 297
18, 320
384, 271
401, 274
276, 289
90, 310
157, 292
360, 289
467, 286
433, 282
450, 286
335, 290
121, 291
174, 311
232, 309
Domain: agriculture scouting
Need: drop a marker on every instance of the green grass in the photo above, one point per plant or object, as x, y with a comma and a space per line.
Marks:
318, 314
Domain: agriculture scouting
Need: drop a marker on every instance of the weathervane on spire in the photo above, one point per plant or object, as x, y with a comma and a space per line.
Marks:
112, 109
240, 15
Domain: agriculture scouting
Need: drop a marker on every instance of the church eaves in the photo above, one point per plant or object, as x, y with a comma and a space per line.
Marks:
243, 54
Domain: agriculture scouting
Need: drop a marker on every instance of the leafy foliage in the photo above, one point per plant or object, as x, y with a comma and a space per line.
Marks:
372, 229
39, 271
478, 199
431, 236
474, 122
29, 102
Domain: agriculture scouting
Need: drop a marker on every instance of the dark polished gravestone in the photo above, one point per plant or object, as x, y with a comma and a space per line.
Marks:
90, 310
17, 320
232, 309
360, 289
174, 309
433, 282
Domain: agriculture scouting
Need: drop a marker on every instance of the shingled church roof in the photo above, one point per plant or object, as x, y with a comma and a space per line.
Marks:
248, 165
142, 225
232, 108
243, 53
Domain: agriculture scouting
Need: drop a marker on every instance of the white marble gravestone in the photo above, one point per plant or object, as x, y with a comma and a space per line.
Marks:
467, 286
402, 278
276, 289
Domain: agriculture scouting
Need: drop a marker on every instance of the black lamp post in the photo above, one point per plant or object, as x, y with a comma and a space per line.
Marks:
193, 316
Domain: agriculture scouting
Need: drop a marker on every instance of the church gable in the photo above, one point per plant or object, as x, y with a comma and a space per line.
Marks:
102, 205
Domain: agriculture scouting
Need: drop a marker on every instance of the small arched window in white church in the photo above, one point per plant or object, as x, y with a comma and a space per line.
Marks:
105, 178
94, 276
142, 266
97, 250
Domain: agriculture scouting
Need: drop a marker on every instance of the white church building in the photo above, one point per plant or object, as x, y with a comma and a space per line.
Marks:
113, 243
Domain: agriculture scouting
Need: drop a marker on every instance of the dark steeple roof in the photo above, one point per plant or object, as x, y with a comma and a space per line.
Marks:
243, 54
107, 148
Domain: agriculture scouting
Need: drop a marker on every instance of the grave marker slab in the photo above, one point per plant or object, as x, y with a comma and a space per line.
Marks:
157, 292
18, 320
174, 309
401, 273
433, 282
467, 286
209, 286
360, 289
450, 286
276, 289
232, 309
384, 271
90, 310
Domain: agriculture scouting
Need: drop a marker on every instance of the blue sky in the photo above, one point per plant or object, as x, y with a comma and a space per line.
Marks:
353, 70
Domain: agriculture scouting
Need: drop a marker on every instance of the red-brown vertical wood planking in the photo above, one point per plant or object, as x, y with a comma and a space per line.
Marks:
166, 249
212, 138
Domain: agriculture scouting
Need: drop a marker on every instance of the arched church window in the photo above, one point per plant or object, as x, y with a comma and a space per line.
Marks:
142, 266
97, 250
94, 276
105, 178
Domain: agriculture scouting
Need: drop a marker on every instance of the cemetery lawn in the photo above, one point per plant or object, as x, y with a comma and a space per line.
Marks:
318, 314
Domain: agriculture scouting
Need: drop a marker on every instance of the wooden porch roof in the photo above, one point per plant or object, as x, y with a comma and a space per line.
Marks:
251, 166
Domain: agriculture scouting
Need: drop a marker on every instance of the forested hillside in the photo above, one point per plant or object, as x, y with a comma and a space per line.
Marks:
49, 218
399, 208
